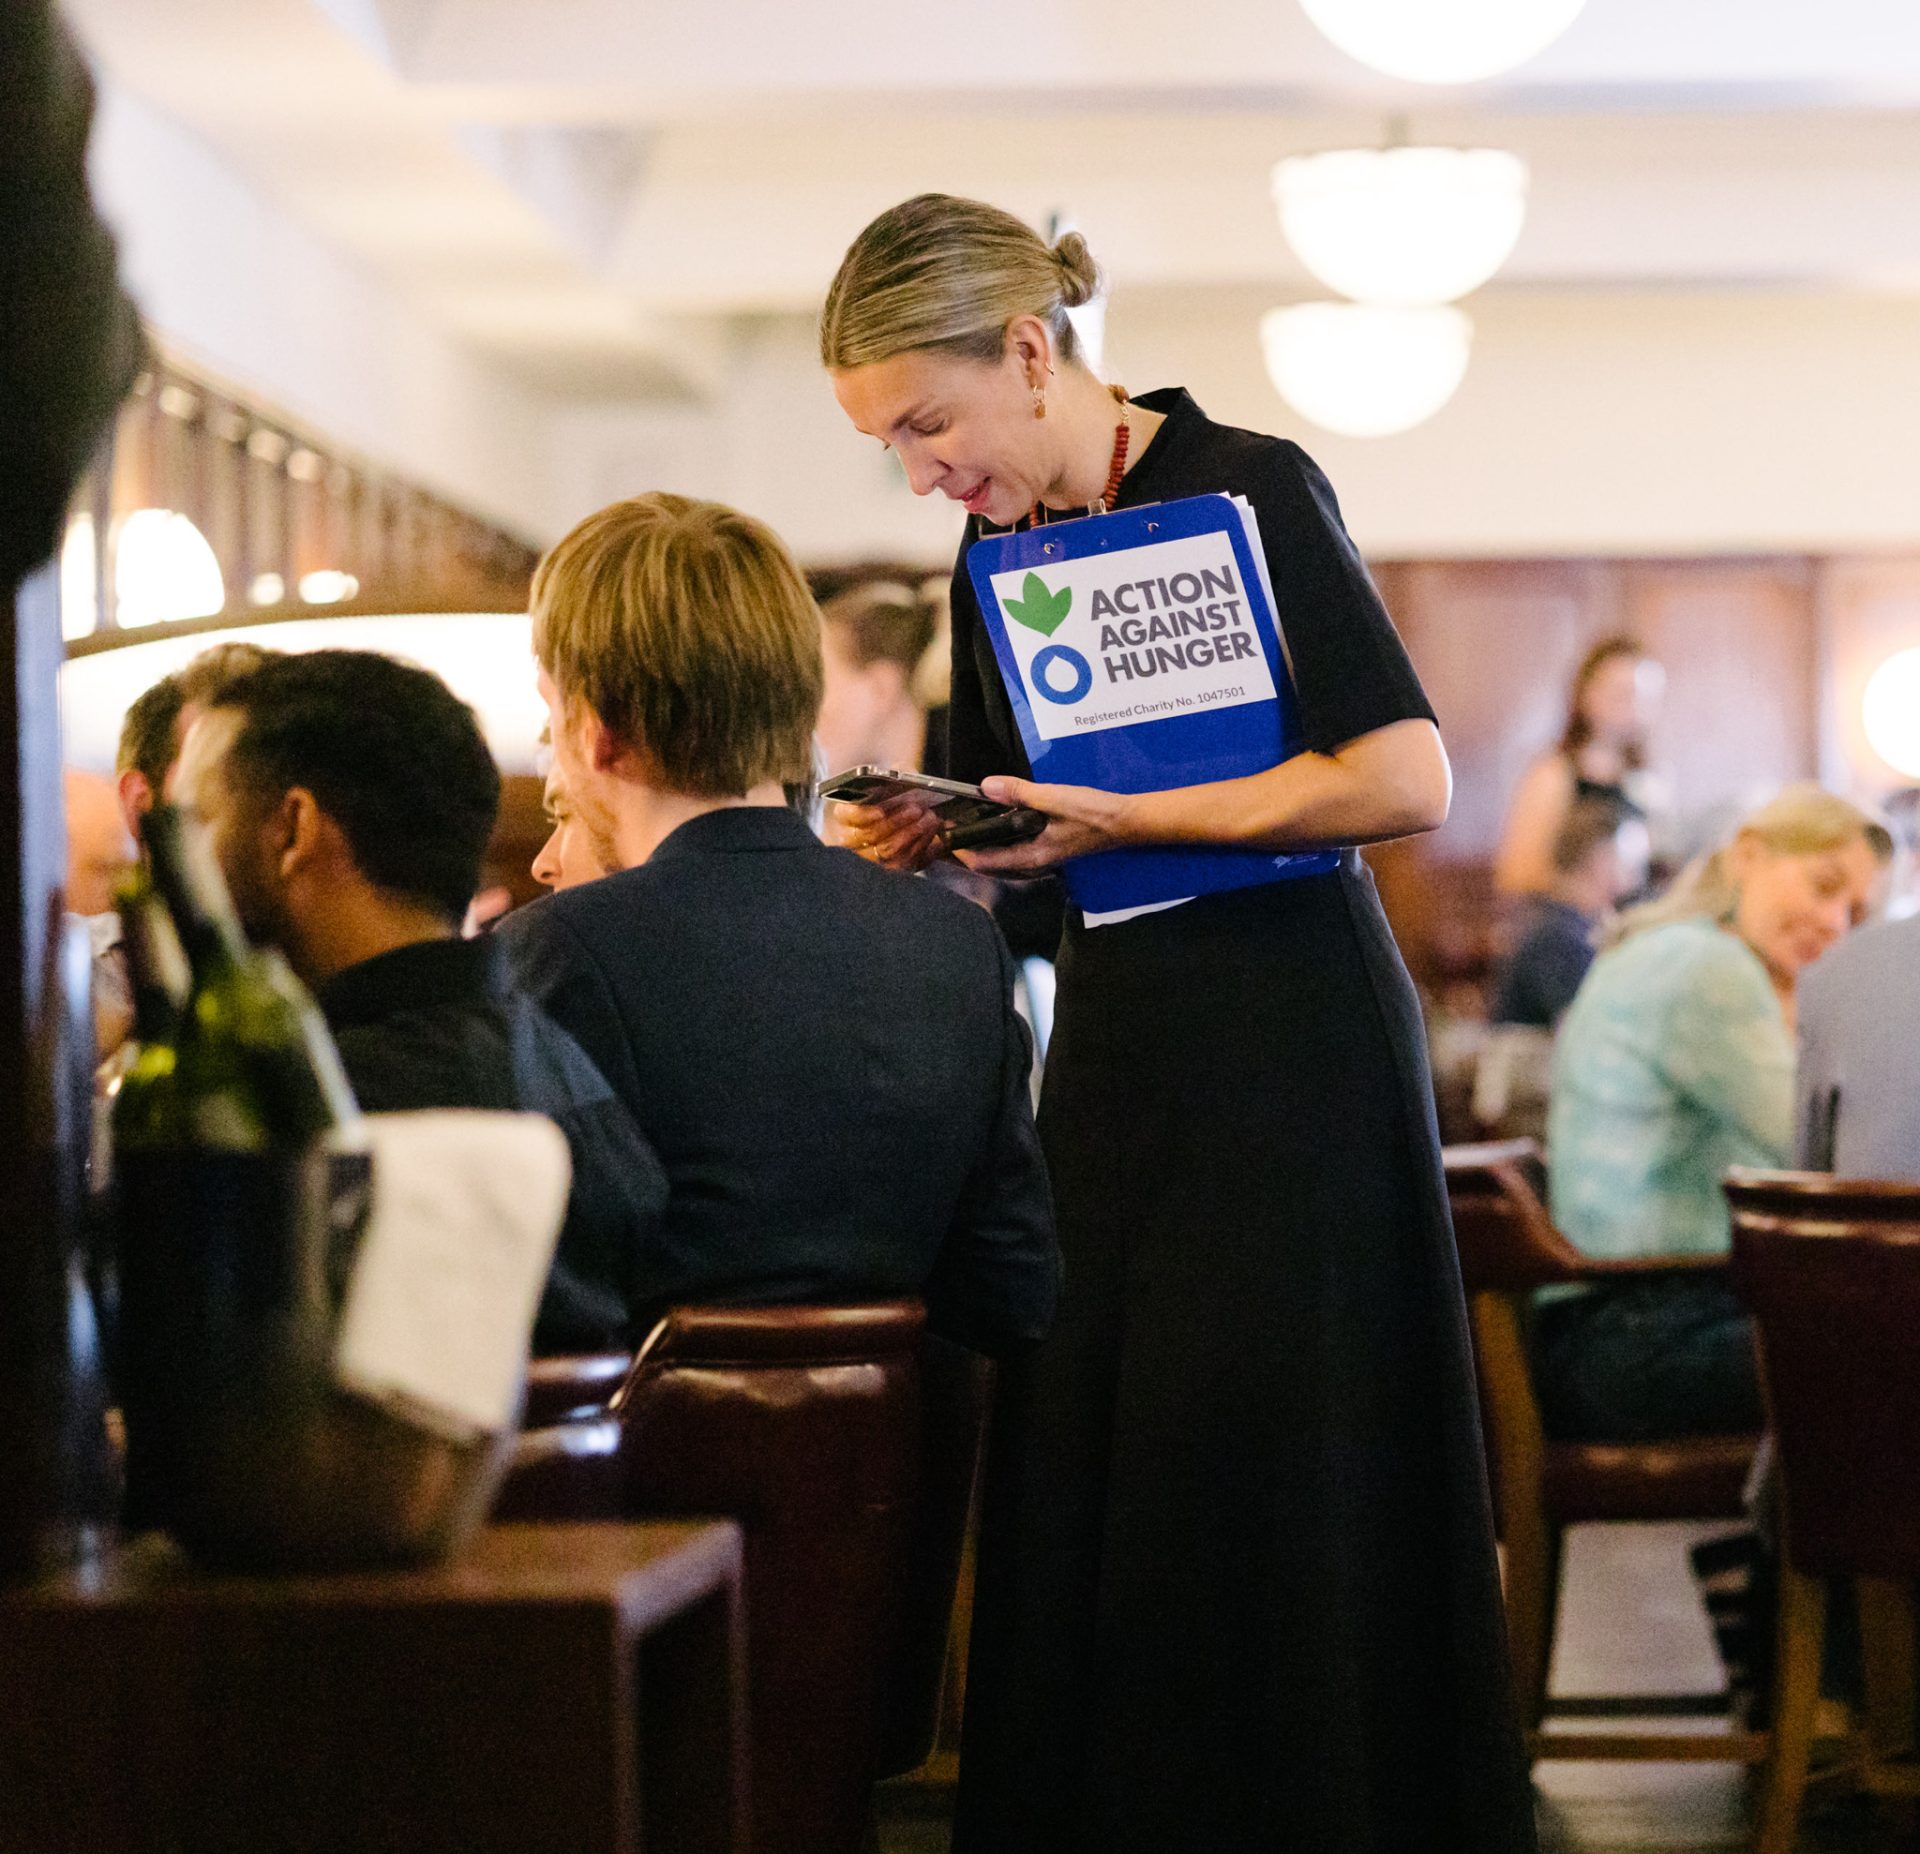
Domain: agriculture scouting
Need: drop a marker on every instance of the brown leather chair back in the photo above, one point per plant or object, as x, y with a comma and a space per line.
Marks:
804, 1424
572, 1389
1831, 1269
567, 1461
1506, 1240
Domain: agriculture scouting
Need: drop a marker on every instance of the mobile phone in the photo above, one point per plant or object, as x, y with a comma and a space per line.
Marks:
873, 785
969, 819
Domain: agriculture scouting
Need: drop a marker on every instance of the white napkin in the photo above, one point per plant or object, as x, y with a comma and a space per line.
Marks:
467, 1207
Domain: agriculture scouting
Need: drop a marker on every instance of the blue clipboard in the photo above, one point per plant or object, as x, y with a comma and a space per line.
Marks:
1140, 652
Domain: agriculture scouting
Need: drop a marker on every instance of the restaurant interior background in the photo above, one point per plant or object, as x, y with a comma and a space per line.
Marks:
427, 281
430, 279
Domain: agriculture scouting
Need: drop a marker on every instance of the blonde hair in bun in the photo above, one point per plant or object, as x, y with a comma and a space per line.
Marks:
1080, 274
941, 272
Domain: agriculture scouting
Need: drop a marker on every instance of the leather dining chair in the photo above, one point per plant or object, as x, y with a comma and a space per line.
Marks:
844, 1440
1509, 1248
1831, 1269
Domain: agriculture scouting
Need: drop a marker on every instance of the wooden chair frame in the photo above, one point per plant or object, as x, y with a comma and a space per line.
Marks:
1879, 1755
1509, 1248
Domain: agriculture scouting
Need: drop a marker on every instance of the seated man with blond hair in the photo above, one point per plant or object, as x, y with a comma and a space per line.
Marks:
825, 1056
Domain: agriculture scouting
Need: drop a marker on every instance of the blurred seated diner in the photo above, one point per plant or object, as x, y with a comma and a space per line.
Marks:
1675, 1063
99, 850
1602, 753
349, 798
873, 638
1599, 859
568, 856
826, 1058
159, 719
1859, 1075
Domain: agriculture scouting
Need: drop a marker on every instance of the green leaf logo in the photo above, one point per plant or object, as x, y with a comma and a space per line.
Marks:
1037, 608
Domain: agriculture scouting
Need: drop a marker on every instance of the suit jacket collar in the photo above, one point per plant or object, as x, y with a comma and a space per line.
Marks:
736, 830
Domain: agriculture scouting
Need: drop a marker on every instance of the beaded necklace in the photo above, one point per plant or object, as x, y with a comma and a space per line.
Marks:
1037, 516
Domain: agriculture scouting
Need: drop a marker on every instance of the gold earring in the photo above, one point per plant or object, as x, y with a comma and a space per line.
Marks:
1039, 402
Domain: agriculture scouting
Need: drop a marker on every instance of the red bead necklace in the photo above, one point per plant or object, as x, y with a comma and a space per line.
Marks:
1116, 469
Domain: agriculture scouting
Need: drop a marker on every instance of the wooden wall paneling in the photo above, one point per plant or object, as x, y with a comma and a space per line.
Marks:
1869, 608
269, 519
223, 461
1496, 643
1739, 642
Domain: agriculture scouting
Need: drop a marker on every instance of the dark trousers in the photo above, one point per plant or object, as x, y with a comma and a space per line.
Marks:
1646, 1360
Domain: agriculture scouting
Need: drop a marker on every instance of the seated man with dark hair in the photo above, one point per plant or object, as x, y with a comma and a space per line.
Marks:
825, 1055
350, 799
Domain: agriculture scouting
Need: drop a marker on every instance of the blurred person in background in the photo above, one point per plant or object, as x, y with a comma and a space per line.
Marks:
151, 735
1859, 1074
567, 858
873, 638
99, 852
350, 799
1676, 1062
1903, 819
1602, 753
157, 723
826, 1059
99, 847
1599, 858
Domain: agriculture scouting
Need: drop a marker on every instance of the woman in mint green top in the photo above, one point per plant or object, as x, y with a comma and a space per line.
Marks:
1674, 1063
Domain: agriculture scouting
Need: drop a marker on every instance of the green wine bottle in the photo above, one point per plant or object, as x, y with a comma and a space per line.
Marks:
147, 1110
241, 1178
254, 1069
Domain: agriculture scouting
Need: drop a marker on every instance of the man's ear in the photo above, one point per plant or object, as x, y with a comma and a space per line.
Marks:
606, 751
299, 833
135, 792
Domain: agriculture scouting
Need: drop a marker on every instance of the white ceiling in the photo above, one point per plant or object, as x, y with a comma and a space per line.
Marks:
598, 192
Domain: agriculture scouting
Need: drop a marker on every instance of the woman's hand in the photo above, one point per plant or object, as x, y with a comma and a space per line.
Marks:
1080, 820
900, 834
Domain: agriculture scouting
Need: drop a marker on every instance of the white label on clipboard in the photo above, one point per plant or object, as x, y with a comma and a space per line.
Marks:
1142, 634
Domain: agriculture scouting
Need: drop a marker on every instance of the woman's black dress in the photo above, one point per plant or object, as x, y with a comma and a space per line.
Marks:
1237, 1587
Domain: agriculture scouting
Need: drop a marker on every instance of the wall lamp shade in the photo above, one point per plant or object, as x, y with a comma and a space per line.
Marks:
1365, 371
485, 658
164, 570
1442, 41
1890, 712
1402, 226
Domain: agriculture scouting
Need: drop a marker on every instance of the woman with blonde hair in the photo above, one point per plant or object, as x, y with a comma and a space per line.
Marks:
1674, 1063
1237, 1579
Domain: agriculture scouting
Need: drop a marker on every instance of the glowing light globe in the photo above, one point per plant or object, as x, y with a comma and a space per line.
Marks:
1442, 41
1402, 226
1890, 712
1362, 370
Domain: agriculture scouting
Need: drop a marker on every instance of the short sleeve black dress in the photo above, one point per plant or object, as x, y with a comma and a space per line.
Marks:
1238, 1590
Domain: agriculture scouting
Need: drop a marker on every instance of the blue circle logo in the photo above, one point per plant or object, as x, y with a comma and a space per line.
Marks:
1079, 672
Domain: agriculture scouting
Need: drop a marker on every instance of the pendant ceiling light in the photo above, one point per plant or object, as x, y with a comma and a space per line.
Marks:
1402, 226
1442, 41
1362, 370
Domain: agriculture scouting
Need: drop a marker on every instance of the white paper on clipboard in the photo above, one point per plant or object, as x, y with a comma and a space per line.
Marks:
1251, 522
